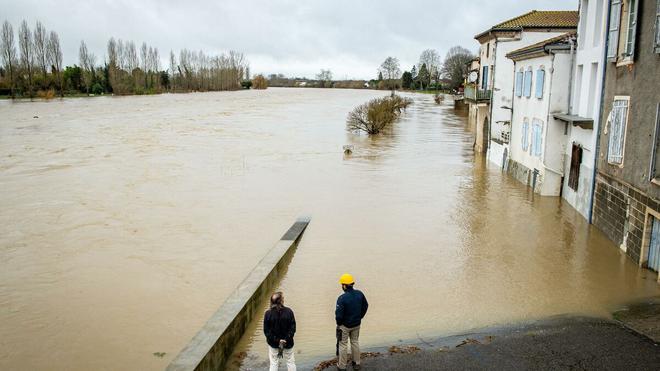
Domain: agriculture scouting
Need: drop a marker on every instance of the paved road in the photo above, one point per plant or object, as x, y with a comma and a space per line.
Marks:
556, 344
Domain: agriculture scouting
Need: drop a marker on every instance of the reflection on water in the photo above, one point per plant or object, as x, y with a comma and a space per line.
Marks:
125, 222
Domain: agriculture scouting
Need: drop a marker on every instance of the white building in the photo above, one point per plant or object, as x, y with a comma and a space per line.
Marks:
496, 73
542, 88
582, 116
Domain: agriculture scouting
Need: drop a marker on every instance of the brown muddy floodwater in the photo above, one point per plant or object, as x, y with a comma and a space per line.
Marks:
125, 222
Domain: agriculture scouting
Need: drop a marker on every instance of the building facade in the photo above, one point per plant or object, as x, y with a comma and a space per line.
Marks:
542, 88
497, 75
582, 116
627, 187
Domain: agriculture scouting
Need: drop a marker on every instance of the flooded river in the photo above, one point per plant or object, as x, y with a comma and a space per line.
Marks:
125, 222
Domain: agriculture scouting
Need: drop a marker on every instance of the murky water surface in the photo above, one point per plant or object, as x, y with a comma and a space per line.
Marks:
125, 222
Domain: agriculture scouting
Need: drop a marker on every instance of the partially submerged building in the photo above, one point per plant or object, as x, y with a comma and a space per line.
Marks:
556, 109
627, 194
491, 96
581, 119
542, 87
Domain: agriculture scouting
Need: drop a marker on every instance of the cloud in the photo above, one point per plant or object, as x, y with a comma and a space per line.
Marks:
296, 38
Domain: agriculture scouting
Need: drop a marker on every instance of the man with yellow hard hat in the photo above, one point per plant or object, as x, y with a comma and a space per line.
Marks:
351, 308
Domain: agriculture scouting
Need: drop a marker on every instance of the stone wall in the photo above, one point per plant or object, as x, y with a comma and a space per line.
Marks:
524, 174
620, 212
213, 345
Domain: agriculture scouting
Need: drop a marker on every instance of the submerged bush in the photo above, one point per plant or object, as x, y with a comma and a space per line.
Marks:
259, 82
377, 114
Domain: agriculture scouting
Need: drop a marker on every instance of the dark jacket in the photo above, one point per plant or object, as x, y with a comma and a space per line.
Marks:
351, 308
279, 324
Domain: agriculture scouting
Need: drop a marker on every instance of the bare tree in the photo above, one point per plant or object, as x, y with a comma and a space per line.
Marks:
431, 58
55, 59
8, 52
325, 78
25, 45
40, 47
132, 61
173, 69
391, 71
87, 63
456, 65
377, 114
143, 58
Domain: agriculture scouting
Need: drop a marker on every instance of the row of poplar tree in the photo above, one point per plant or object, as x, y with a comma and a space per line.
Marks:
36, 67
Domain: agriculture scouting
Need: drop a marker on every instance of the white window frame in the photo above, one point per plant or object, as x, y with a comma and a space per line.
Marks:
527, 89
537, 138
618, 123
525, 135
540, 73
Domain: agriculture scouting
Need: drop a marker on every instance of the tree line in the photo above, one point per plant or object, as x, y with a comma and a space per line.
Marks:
36, 68
429, 73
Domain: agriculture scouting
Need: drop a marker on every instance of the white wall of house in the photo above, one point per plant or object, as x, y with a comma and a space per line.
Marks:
486, 59
586, 99
503, 78
549, 158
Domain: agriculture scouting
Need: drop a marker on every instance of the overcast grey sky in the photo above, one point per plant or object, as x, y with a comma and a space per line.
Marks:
296, 38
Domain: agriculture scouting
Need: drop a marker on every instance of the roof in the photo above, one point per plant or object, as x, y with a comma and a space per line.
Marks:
539, 48
538, 19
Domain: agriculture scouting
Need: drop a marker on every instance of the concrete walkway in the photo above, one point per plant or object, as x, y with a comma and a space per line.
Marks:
562, 343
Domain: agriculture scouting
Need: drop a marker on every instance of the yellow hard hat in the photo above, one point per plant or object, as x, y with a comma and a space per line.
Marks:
346, 279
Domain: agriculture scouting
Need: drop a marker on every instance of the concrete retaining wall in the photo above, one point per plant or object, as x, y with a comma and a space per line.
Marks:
211, 348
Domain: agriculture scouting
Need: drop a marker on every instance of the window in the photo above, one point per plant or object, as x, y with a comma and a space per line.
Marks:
576, 161
613, 38
655, 155
525, 135
528, 84
618, 119
519, 83
598, 23
540, 79
623, 18
656, 47
632, 28
488, 50
484, 78
537, 137
584, 10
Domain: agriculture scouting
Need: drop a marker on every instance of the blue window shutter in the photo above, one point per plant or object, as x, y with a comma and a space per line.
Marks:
540, 79
484, 78
519, 84
613, 32
525, 135
528, 84
632, 28
537, 137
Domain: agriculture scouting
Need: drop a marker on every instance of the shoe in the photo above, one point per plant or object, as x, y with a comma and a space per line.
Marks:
356, 366
340, 369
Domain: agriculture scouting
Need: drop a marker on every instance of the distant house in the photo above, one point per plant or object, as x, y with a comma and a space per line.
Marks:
542, 86
627, 189
491, 96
